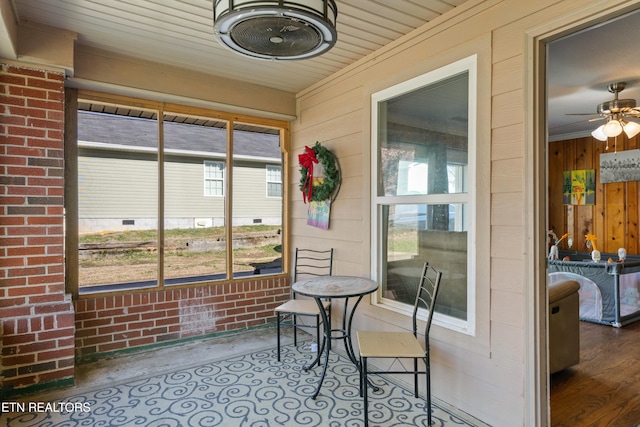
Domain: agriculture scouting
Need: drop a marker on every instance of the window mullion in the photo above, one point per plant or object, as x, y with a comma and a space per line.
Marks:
228, 206
160, 218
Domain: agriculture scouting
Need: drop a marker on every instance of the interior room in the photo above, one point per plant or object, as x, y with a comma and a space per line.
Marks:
163, 160
605, 334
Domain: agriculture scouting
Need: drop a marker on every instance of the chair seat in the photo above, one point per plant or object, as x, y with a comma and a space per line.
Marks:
389, 344
301, 306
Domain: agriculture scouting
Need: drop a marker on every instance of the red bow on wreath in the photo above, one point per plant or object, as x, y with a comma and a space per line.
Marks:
306, 160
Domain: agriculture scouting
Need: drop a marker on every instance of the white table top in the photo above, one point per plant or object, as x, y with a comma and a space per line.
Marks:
335, 286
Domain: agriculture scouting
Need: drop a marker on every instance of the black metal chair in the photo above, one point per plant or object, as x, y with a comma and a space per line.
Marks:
402, 345
308, 262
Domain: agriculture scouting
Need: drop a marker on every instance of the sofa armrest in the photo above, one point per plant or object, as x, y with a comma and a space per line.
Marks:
563, 289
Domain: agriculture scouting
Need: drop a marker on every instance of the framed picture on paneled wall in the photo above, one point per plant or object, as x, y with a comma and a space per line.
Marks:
622, 166
579, 187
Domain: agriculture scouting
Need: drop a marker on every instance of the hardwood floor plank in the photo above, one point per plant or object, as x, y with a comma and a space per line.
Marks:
604, 388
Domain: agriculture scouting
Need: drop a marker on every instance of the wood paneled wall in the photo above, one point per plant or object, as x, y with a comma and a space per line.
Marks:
615, 215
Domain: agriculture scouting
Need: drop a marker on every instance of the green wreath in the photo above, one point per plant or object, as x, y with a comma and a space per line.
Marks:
331, 180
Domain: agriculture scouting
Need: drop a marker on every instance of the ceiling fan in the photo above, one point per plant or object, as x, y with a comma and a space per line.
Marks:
616, 113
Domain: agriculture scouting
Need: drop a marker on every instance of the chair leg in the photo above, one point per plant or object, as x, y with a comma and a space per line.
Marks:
278, 333
428, 376
364, 390
415, 377
329, 325
295, 330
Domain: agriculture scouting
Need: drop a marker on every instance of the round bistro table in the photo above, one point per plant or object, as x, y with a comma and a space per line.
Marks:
329, 288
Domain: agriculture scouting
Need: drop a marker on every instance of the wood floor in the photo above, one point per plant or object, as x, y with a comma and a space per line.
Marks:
604, 389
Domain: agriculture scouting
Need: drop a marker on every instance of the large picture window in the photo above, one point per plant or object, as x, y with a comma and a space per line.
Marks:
423, 204
144, 220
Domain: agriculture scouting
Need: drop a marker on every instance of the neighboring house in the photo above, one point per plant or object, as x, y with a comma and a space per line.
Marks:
118, 167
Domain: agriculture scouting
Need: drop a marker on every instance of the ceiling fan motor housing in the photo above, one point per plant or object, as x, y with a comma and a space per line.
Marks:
616, 105
277, 29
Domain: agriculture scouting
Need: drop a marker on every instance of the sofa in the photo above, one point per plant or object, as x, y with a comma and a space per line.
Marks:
564, 325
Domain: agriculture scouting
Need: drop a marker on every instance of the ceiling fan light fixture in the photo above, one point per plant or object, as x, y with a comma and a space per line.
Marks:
599, 134
612, 128
276, 29
631, 129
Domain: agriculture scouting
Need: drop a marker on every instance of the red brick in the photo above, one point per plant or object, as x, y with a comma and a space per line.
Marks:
56, 333
111, 329
24, 250
153, 315
140, 341
154, 331
6, 312
111, 313
47, 105
15, 69
27, 290
97, 322
168, 321
97, 340
48, 298
127, 335
46, 278
26, 92
86, 332
11, 241
64, 320
35, 347
58, 353
44, 84
141, 325
13, 79
140, 309
67, 342
51, 308
19, 359
126, 318
15, 110
112, 346
36, 367
165, 305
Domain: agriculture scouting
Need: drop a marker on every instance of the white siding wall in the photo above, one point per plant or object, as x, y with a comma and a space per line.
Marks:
488, 375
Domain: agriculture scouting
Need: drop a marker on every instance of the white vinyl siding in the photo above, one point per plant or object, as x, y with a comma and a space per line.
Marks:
106, 190
249, 198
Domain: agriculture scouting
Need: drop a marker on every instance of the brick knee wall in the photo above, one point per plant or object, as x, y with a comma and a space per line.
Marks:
36, 317
114, 323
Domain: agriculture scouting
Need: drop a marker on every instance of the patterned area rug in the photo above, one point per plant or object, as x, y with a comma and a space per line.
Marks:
249, 390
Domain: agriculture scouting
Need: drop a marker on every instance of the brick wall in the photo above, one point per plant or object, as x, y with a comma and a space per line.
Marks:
122, 322
36, 317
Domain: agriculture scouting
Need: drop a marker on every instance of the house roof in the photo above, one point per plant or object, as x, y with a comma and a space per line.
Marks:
109, 131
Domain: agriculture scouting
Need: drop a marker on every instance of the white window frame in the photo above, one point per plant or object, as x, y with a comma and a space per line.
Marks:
269, 181
206, 164
469, 65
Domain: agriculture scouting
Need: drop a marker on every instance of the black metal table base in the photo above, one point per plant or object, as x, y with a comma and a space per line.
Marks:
336, 334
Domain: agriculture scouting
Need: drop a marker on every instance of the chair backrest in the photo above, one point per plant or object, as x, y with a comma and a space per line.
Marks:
312, 262
426, 297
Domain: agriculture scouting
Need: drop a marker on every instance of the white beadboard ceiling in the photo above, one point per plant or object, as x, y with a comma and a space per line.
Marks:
179, 33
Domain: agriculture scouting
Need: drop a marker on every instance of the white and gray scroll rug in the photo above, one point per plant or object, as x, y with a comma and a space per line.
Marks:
253, 390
